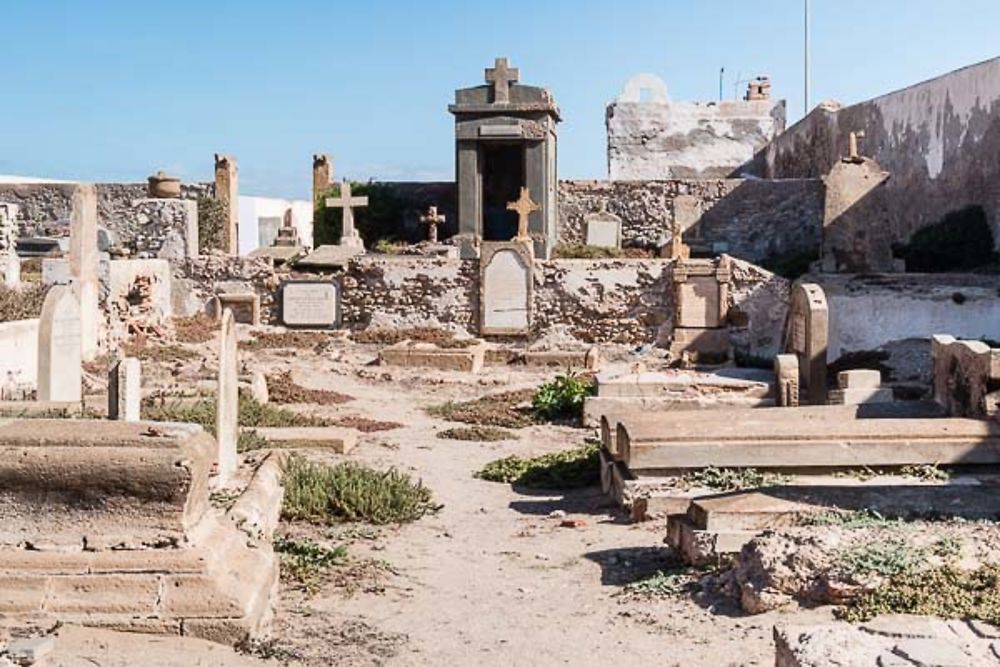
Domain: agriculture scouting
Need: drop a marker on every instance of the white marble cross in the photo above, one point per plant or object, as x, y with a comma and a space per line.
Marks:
524, 207
349, 234
501, 75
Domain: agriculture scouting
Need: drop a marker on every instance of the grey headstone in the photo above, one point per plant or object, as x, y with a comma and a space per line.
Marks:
125, 390
310, 304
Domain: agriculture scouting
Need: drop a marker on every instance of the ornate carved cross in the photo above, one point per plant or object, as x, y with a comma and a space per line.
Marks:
348, 203
524, 207
432, 219
501, 75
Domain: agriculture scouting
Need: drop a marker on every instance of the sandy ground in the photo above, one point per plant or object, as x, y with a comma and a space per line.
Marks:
492, 578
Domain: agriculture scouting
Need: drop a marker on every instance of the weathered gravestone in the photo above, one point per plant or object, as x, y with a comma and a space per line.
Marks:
505, 289
808, 332
59, 347
10, 264
227, 408
603, 229
310, 304
83, 265
701, 291
267, 231
124, 390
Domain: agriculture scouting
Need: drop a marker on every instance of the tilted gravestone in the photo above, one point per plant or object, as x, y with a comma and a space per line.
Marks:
227, 412
83, 263
505, 285
313, 305
59, 347
808, 332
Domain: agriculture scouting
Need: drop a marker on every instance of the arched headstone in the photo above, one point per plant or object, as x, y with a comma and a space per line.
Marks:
60, 347
227, 413
652, 85
505, 289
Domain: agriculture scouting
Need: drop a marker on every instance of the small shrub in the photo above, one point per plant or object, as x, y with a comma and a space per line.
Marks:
21, 303
251, 414
502, 410
281, 389
477, 434
582, 251
885, 558
250, 441
791, 265
197, 329
562, 398
944, 592
925, 472
349, 492
570, 469
732, 479
305, 562
962, 241
865, 518
298, 340
143, 350
663, 584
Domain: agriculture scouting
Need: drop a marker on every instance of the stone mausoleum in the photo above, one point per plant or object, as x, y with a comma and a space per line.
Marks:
505, 140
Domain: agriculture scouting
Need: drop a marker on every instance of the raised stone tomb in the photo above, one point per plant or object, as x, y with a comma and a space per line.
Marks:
110, 525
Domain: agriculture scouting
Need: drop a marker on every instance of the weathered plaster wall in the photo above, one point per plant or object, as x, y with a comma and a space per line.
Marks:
750, 219
869, 311
939, 139
758, 308
655, 140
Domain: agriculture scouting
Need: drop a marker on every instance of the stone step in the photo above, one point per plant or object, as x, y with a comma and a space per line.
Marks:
703, 547
339, 440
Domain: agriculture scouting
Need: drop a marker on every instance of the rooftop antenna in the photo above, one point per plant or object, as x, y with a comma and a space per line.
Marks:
807, 64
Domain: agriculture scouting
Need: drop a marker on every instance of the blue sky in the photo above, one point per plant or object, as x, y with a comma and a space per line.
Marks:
113, 90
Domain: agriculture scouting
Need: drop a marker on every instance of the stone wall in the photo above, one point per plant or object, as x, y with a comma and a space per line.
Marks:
966, 377
41, 204
618, 301
196, 280
938, 139
867, 312
750, 219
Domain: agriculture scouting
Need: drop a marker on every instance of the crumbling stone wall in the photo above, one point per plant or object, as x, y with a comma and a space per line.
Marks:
195, 280
43, 203
752, 219
629, 302
939, 140
391, 292
620, 301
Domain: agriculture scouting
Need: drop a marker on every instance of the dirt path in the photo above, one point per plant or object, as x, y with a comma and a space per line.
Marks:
493, 578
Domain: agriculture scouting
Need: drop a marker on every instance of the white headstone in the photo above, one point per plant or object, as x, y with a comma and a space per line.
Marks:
83, 261
227, 412
310, 304
603, 229
59, 347
125, 390
506, 293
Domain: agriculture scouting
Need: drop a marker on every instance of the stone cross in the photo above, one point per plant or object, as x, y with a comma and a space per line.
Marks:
349, 235
432, 220
501, 75
524, 207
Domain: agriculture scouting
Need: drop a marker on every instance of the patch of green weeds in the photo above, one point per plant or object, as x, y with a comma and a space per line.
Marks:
477, 434
502, 410
732, 479
306, 563
562, 397
348, 492
570, 469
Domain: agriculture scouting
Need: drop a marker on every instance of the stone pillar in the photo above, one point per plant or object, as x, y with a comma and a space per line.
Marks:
227, 412
227, 190
125, 390
83, 265
322, 176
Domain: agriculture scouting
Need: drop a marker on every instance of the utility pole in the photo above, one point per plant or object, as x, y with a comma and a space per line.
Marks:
807, 64
722, 76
